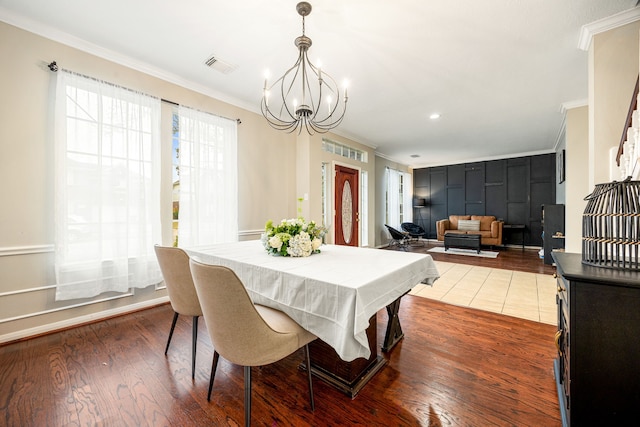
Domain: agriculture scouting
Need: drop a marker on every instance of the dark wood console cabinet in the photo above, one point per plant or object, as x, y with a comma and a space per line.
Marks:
598, 366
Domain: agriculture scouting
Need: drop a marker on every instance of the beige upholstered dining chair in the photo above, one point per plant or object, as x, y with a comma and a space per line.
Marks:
244, 333
174, 264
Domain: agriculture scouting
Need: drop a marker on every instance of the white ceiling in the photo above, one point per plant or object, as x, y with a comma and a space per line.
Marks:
497, 71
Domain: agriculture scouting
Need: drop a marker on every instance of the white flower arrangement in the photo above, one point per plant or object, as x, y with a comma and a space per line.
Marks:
293, 237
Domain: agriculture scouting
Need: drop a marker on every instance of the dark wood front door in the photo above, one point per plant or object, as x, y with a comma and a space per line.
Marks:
347, 206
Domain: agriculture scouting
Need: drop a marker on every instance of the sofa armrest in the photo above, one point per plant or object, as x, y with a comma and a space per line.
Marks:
442, 226
496, 230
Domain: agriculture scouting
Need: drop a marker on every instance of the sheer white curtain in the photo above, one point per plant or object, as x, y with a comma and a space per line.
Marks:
393, 198
407, 197
208, 179
107, 208
399, 198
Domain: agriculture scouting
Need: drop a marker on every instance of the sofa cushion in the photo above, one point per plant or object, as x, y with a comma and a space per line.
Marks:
453, 220
485, 221
469, 225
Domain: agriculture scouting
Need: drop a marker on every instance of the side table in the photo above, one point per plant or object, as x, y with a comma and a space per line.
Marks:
515, 228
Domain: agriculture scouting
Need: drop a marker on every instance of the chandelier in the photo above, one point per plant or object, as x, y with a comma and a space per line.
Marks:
305, 96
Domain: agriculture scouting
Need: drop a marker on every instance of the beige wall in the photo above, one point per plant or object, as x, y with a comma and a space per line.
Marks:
613, 70
267, 179
577, 175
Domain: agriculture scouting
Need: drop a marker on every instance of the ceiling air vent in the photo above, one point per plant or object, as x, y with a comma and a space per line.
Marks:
220, 65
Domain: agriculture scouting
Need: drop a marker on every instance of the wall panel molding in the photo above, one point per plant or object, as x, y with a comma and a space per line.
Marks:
66, 307
244, 234
511, 189
25, 250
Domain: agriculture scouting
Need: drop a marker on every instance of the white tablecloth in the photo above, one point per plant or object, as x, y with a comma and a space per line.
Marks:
332, 294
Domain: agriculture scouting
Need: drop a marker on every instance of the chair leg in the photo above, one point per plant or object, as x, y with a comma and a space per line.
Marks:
308, 361
173, 326
214, 366
247, 396
194, 340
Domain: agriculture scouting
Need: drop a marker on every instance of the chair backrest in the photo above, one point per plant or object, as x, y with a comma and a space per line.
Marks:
238, 332
412, 228
395, 234
174, 264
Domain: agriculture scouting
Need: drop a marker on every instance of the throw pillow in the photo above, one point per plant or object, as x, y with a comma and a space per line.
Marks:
469, 225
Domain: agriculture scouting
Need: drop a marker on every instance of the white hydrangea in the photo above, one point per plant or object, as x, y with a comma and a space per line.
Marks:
300, 245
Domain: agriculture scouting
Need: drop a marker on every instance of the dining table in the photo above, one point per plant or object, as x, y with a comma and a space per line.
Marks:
334, 294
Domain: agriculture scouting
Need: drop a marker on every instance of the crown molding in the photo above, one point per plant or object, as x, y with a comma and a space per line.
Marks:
391, 159
573, 104
486, 159
588, 31
562, 134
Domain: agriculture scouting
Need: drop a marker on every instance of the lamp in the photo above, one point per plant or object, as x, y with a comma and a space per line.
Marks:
307, 83
419, 203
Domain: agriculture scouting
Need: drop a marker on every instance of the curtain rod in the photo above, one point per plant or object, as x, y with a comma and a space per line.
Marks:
238, 121
53, 66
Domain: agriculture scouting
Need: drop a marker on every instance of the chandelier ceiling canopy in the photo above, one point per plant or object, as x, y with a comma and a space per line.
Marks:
305, 96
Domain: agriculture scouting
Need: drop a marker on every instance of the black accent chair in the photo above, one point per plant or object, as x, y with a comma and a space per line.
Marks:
398, 238
415, 232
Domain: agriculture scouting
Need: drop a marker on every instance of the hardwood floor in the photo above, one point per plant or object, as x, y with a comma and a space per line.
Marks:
456, 366
511, 258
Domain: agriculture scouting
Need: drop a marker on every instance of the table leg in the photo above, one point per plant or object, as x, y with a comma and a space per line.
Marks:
394, 330
348, 377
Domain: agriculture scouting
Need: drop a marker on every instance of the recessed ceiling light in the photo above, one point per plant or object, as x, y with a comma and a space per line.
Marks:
434, 116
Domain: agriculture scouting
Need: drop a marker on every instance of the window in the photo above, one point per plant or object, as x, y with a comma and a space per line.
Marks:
175, 175
326, 216
208, 184
107, 159
364, 208
398, 198
344, 150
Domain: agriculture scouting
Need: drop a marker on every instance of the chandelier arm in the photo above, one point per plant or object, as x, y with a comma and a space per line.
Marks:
307, 82
316, 106
280, 125
325, 123
332, 116
306, 125
284, 96
276, 120
332, 87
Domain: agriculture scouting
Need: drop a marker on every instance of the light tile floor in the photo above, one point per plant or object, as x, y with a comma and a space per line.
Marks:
526, 295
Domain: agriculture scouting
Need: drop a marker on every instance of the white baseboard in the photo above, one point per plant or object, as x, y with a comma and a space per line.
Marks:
75, 321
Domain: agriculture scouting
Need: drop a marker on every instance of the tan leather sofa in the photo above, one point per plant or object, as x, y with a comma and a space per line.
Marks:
490, 228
